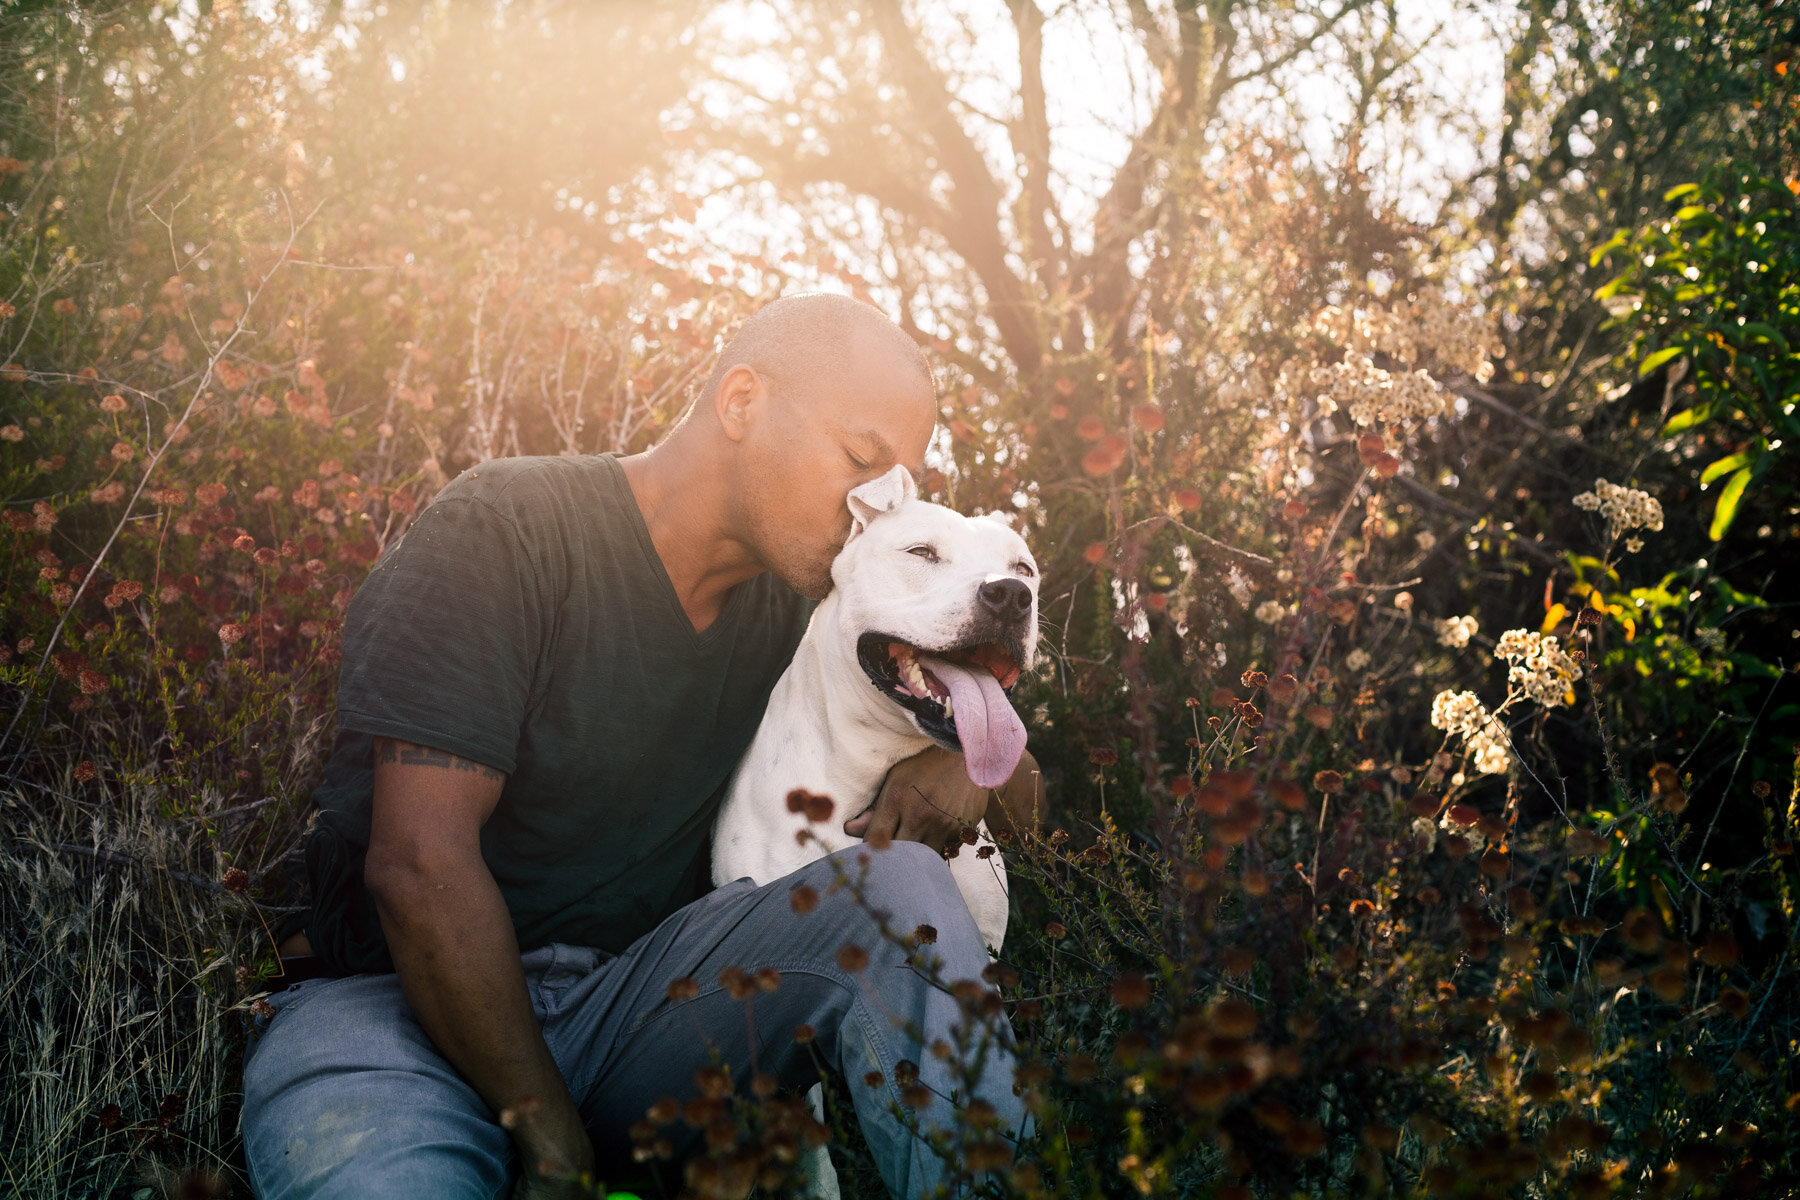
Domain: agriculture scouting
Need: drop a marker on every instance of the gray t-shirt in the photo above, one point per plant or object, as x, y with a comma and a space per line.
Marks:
526, 622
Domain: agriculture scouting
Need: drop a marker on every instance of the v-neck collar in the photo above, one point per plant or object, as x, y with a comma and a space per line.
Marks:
698, 639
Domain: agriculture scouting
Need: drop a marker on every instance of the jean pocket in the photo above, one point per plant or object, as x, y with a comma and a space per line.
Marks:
568, 965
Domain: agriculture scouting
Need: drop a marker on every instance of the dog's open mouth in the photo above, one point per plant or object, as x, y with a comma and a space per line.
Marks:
958, 696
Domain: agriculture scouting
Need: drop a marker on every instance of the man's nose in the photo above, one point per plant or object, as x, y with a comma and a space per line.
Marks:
1008, 599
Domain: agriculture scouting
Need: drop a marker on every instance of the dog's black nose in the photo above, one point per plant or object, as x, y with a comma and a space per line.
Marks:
1009, 599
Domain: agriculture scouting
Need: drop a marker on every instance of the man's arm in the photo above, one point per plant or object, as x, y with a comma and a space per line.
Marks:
928, 797
454, 949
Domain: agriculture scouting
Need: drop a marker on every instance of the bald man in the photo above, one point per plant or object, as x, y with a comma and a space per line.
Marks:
546, 685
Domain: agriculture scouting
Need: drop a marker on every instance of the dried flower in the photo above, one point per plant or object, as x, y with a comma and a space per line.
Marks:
1624, 508
1537, 665
11, 433
1456, 632
1463, 714
230, 633
85, 771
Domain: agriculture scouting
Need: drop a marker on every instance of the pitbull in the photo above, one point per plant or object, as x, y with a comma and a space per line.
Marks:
931, 617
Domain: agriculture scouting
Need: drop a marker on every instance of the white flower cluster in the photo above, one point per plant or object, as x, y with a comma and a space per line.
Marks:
1456, 632
1357, 659
1375, 396
1458, 337
1461, 713
1537, 665
1624, 508
1427, 326
1239, 585
1270, 612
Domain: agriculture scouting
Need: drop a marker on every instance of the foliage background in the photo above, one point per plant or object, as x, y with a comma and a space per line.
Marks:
271, 274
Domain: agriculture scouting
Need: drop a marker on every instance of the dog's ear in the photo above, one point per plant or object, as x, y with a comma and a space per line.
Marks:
878, 496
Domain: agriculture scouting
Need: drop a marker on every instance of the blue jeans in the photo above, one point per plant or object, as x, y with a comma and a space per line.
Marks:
345, 1094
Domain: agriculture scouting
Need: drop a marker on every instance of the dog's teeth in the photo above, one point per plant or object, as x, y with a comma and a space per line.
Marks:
946, 704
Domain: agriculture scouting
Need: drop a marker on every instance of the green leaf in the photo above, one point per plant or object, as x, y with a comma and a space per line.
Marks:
1614, 287
1765, 332
1693, 213
1680, 190
1659, 358
1725, 466
1726, 510
1606, 247
1697, 415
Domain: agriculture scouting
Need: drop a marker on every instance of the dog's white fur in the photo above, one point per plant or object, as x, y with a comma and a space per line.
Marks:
829, 729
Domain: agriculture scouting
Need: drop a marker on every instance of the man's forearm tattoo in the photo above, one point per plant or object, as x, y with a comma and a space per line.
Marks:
387, 750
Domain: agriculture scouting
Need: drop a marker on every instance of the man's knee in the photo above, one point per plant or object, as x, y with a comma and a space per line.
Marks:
909, 885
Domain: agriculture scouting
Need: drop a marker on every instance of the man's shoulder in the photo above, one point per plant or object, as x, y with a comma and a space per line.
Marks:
519, 485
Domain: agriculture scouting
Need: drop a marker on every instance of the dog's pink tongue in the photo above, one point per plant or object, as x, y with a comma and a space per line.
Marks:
992, 735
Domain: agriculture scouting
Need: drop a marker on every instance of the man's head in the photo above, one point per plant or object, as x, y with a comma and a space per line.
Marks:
814, 395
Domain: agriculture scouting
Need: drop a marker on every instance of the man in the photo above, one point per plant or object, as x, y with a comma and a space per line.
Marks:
545, 687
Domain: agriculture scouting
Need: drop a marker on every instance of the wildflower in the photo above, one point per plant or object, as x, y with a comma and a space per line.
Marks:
6, 309
1426, 540
1456, 632
1403, 601
263, 406
91, 682
1270, 612
124, 592
1107, 456
1328, 781
1238, 584
1537, 665
169, 496
1131, 990
85, 771
11, 433
1624, 508
209, 494
852, 958
113, 404
804, 899
1463, 714
231, 633
1357, 659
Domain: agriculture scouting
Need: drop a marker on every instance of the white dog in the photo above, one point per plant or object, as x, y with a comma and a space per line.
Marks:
931, 617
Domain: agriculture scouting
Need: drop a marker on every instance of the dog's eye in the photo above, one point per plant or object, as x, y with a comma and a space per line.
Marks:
1024, 568
928, 553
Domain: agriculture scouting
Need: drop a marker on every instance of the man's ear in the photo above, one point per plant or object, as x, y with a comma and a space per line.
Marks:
878, 496
740, 391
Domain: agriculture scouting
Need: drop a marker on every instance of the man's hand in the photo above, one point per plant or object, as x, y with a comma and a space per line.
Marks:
928, 798
554, 1151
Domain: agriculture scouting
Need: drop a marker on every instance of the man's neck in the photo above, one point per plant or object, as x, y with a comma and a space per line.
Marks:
704, 561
